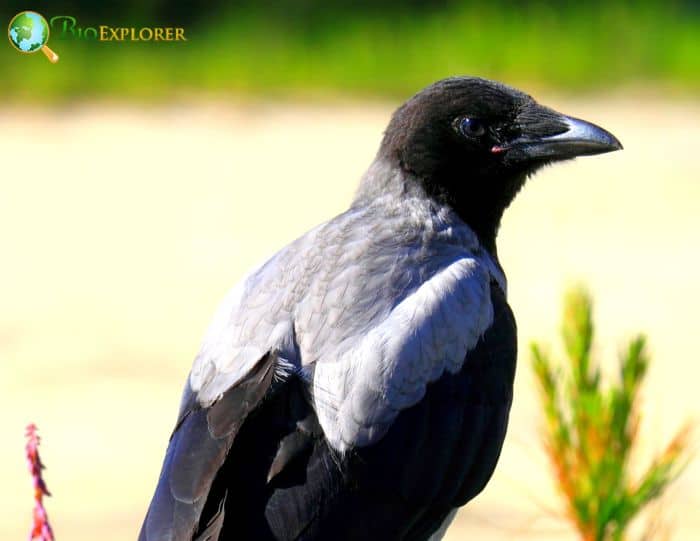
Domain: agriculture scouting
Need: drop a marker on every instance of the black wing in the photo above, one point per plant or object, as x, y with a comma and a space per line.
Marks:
198, 447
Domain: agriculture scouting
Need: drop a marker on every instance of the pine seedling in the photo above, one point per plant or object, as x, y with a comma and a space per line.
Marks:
590, 430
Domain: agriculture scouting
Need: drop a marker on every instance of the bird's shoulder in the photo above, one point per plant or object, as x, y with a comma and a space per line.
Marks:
377, 302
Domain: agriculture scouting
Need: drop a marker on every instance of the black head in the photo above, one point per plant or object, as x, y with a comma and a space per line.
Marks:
472, 143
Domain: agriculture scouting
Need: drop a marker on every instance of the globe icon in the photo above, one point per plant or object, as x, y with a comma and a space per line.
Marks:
29, 33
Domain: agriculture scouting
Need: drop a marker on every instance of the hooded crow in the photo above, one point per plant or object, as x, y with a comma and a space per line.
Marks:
357, 385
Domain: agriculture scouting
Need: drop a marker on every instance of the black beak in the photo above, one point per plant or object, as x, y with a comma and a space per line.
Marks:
548, 135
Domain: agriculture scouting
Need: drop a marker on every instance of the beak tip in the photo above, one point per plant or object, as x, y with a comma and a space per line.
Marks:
606, 139
596, 138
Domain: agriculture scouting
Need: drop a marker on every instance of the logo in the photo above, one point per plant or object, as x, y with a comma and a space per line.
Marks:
67, 28
29, 32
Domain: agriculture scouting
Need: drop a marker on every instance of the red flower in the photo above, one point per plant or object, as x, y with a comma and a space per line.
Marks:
41, 529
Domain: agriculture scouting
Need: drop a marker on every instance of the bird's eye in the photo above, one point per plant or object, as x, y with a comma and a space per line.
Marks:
470, 127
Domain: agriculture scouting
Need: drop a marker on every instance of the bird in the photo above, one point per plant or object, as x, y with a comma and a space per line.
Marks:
357, 385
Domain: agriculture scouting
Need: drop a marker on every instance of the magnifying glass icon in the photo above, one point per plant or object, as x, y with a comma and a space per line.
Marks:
29, 32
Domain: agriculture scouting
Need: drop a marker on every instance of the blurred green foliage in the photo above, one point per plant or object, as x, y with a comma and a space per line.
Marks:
591, 429
389, 48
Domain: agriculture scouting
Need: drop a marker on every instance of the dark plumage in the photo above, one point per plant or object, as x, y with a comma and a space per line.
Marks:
357, 385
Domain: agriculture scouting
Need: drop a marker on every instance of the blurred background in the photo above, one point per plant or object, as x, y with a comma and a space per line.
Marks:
142, 180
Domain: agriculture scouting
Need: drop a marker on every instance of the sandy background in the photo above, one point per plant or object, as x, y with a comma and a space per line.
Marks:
121, 229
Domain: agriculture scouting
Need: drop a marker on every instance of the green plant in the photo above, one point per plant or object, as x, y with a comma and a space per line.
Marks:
590, 430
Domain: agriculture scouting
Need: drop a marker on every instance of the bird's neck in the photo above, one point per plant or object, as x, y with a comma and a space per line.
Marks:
389, 183
482, 212
385, 180
480, 200
485, 221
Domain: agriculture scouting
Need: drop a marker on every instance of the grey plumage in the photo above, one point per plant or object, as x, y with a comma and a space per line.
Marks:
339, 295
